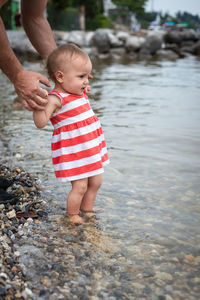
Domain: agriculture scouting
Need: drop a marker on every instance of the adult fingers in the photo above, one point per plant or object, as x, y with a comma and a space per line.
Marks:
44, 80
42, 94
32, 105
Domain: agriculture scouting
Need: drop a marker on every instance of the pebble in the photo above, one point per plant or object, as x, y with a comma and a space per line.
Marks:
11, 214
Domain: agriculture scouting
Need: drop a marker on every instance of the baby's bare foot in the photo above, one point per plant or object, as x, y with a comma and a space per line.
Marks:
75, 219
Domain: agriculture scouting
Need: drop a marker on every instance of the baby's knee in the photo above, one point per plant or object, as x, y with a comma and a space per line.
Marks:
81, 187
96, 184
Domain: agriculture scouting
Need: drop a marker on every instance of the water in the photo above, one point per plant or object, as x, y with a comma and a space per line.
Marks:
148, 218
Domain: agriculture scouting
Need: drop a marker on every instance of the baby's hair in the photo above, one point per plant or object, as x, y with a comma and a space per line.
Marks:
60, 56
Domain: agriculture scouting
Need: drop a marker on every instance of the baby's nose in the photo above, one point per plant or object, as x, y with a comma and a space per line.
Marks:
86, 81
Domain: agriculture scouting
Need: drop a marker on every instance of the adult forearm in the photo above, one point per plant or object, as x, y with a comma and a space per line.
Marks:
9, 63
37, 27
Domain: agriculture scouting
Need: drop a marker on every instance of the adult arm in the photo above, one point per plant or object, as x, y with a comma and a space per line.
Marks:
26, 83
37, 27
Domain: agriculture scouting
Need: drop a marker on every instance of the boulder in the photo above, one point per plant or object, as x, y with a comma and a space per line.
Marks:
134, 43
152, 44
189, 35
101, 40
176, 49
114, 41
77, 37
173, 37
187, 46
166, 54
116, 52
196, 48
122, 36
21, 44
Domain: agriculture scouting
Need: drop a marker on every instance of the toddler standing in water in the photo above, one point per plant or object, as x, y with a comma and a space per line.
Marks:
78, 146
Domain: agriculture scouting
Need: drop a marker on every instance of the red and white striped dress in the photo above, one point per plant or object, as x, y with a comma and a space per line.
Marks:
78, 144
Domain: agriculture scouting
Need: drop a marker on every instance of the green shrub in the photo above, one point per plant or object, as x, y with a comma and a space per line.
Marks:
100, 21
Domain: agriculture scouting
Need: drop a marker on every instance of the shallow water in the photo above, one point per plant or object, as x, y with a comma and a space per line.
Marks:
144, 242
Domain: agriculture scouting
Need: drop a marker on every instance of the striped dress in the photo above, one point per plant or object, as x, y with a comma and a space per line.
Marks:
78, 145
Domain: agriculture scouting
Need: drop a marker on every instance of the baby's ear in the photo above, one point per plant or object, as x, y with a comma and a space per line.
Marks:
59, 76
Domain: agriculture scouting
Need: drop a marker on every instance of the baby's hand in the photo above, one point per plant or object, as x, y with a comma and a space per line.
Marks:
88, 89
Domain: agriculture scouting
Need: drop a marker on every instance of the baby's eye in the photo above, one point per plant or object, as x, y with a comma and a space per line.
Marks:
81, 76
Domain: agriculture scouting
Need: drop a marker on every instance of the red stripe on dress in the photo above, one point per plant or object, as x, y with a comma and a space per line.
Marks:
69, 97
70, 113
104, 157
80, 170
76, 125
77, 140
78, 155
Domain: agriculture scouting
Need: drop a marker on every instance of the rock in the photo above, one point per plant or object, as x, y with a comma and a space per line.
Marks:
133, 43
27, 293
173, 37
189, 35
175, 48
77, 37
152, 44
163, 276
138, 286
114, 41
166, 54
11, 214
122, 36
101, 40
21, 44
5, 183
7, 198
196, 48
118, 51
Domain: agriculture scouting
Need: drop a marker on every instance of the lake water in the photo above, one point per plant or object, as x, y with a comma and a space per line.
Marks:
145, 240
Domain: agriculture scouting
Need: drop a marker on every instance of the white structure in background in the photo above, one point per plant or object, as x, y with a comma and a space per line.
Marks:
135, 26
108, 4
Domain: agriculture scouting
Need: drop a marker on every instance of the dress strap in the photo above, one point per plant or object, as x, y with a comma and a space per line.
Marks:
56, 94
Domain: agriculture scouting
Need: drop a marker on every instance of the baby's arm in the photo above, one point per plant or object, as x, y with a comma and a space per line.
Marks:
41, 117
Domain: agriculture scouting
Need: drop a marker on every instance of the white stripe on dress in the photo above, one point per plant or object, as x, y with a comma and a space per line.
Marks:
85, 175
80, 162
71, 105
75, 119
77, 148
76, 132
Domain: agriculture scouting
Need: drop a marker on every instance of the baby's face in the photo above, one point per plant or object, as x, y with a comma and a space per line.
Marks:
76, 75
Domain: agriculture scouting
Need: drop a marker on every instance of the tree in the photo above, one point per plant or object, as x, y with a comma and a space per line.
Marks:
136, 6
92, 8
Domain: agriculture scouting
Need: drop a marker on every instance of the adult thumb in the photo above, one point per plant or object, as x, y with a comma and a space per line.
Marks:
44, 80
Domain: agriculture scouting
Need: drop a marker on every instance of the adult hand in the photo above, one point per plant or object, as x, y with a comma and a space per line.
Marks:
31, 94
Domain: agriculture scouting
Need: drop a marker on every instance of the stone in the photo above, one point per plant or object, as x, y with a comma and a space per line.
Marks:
11, 214
163, 276
152, 44
134, 43
101, 40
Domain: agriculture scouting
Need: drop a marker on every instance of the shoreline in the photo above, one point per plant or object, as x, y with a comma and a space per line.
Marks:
21, 204
105, 43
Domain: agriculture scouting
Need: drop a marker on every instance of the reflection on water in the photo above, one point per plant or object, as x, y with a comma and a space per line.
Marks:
150, 114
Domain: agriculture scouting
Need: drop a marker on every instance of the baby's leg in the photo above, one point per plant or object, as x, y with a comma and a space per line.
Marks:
74, 199
94, 184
